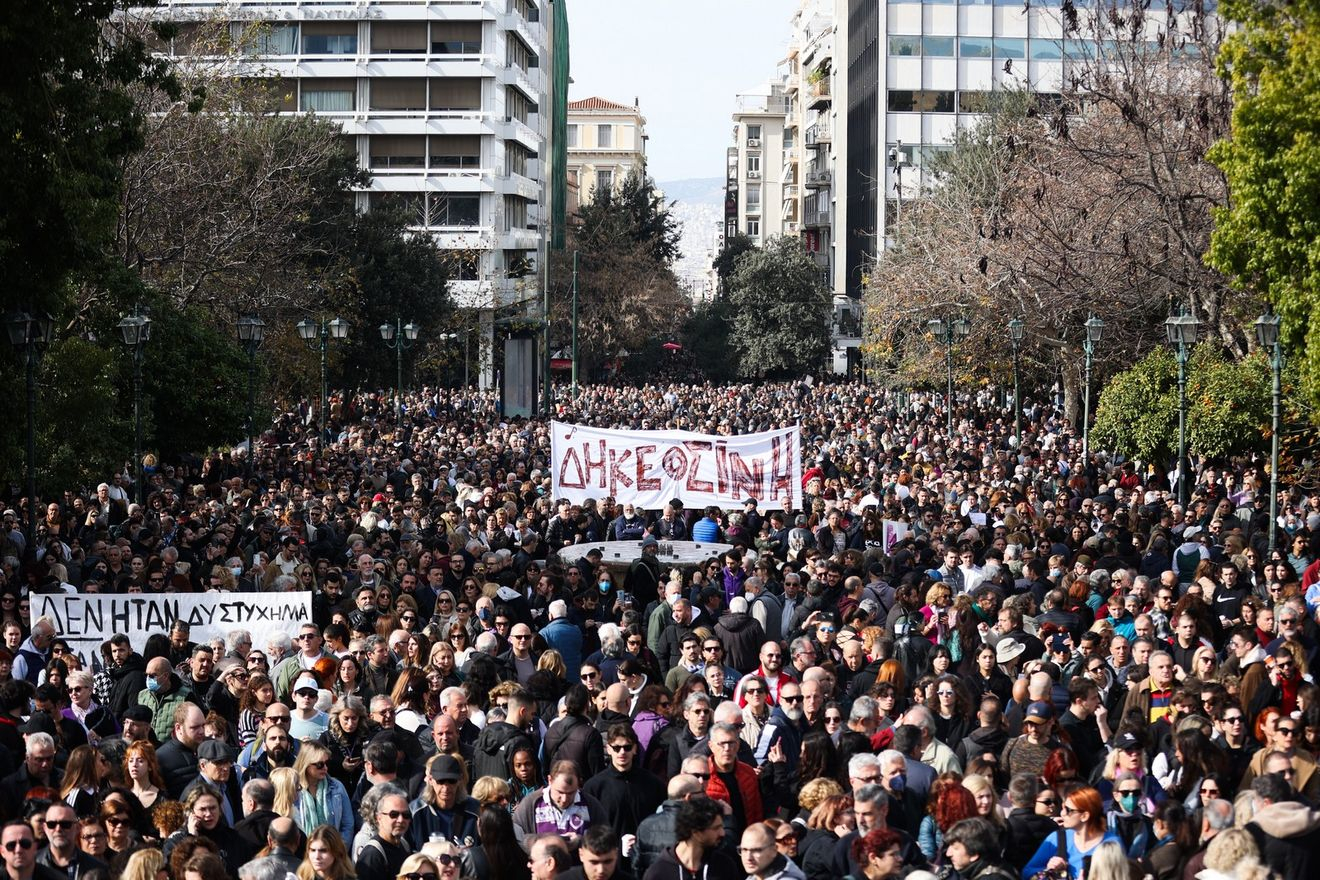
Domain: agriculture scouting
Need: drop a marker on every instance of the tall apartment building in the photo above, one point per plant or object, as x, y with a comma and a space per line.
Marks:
606, 143
754, 196
447, 104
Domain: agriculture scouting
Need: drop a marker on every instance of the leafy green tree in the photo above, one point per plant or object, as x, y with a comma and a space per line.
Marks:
67, 124
706, 338
1228, 406
82, 432
727, 258
781, 322
634, 211
1265, 237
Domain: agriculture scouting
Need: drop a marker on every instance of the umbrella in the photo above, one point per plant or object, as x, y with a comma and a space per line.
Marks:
672, 346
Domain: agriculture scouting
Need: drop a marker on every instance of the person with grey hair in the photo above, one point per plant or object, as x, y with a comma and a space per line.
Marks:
285, 583
278, 647
562, 635
934, 753
739, 634
728, 772
487, 643
240, 643
872, 807
864, 769
1216, 816
863, 717
367, 812
697, 718
258, 801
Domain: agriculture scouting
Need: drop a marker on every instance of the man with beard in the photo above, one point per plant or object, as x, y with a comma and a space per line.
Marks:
785, 726
627, 791
277, 751
127, 673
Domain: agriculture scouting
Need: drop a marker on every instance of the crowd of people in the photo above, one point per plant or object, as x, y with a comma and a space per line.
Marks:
1046, 668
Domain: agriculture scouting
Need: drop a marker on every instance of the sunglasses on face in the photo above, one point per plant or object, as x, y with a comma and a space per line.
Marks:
24, 844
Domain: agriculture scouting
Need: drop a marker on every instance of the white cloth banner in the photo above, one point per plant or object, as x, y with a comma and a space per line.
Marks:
649, 468
85, 621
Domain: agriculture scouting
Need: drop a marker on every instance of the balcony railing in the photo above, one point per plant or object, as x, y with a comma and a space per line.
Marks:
818, 134
818, 177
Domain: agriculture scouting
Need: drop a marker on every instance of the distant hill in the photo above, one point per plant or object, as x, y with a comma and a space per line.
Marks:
699, 208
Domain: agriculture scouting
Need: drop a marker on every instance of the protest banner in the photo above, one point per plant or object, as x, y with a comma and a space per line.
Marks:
648, 468
894, 532
85, 621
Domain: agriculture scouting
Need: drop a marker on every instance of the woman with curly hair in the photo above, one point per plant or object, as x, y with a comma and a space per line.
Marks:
949, 802
952, 707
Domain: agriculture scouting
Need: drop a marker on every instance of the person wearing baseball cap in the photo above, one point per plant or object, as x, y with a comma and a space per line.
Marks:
444, 807
1029, 752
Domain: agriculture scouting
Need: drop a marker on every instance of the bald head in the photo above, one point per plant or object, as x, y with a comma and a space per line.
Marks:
727, 713
158, 667
683, 785
616, 698
1039, 686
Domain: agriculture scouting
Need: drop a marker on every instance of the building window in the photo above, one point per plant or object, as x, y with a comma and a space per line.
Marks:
976, 47
754, 227
572, 137
754, 163
398, 151
921, 101
605, 136
463, 265
320, 38
901, 45
515, 213
278, 39
937, 47
326, 100
455, 151
454, 209
455, 37
604, 179
753, 197
1010, 47
410, 205
754, 132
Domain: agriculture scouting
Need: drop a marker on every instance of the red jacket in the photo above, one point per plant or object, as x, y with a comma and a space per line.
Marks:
748, 786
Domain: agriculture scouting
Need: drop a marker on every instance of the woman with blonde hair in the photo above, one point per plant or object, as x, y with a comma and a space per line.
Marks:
1233, 855
420, 865
145, 864
831, 821
492, 790
553, 662
285, 780
322, 799
987, 800
327, 857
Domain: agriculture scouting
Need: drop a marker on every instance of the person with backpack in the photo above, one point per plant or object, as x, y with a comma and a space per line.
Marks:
492, 754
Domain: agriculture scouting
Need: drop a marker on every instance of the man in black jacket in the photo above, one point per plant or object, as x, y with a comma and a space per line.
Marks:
1286, 831
1030, 821
178, 756
493, 752
628, 791
656, 831
128, 674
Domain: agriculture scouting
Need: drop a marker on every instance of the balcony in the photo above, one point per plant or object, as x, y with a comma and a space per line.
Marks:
790, 191
813, 218
818, 135
818, 178
846, 326
820, 95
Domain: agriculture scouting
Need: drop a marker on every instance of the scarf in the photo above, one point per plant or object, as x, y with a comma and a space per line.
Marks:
315, 809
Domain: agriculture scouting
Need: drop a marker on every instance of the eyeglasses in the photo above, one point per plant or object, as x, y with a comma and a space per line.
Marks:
710, 647
1213, 792
394, 814
1069, 810
796, 699
833, 719
92, 838
277, 719
520, 637
319, 765
1286, 731
1048, 801
444, 859
302, 637
24, 844
116, 821
1129, 791
589, 676
1232, 719
421, 875
620, 748
750, 691
61, 824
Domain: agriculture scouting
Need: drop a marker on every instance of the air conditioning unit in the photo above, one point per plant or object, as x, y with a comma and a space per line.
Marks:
753, 143
753, 175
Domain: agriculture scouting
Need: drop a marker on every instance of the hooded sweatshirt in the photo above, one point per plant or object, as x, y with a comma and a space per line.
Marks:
1288, 835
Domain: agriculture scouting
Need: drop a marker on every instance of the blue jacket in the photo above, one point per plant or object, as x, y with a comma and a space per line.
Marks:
565, 638
1049, 848
706, 530
339, 809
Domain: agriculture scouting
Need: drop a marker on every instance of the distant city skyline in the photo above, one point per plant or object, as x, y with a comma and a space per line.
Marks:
684, 61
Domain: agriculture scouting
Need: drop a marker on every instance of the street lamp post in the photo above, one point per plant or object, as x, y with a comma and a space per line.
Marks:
1267, 334
317, 334
135, 331
1095, 328
1181, 332
1017, 330
949, 332
30, 334
251, 331
400, 337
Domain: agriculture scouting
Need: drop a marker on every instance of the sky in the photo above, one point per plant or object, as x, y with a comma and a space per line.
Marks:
685, 60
